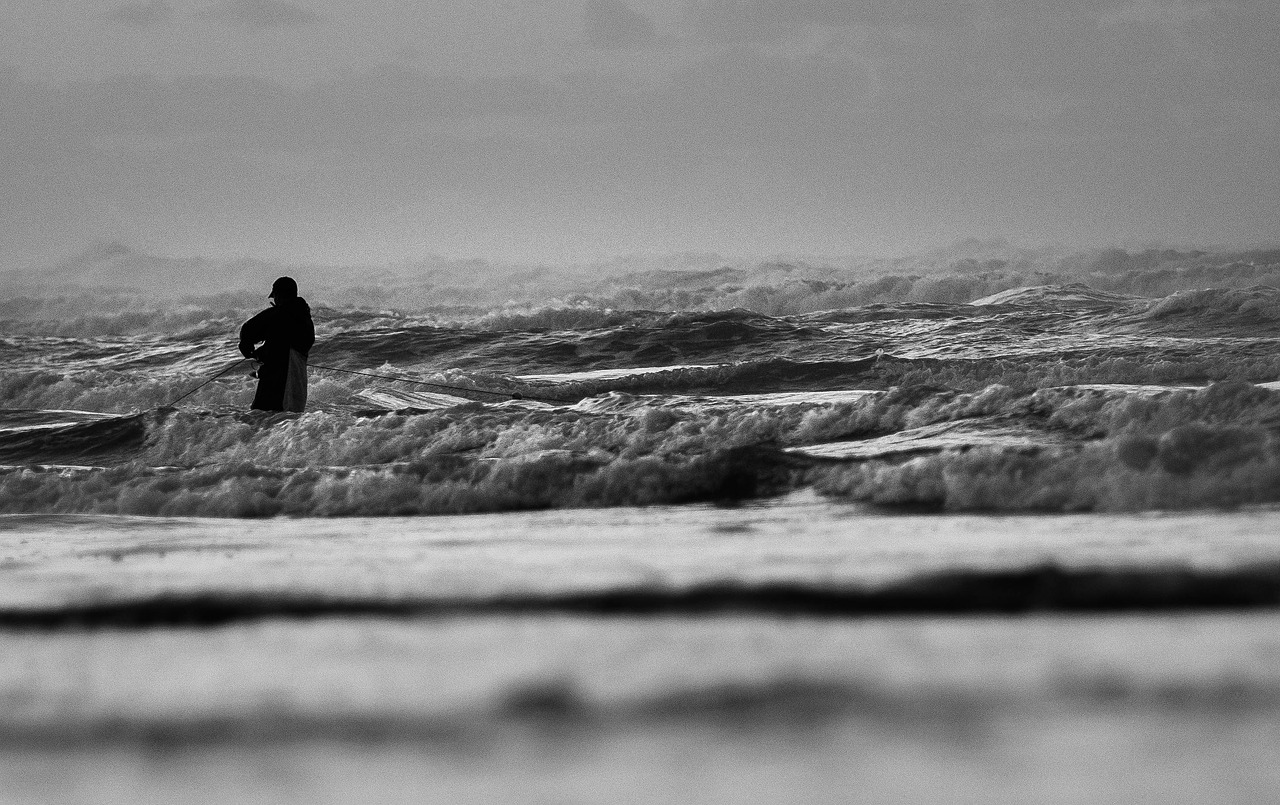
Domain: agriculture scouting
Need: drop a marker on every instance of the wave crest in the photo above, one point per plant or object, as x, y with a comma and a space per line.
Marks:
1253, 304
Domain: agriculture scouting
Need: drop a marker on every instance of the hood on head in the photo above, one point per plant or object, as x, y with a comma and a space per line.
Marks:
284, 288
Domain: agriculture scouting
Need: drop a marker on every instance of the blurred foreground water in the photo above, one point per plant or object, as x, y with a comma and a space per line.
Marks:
793, 651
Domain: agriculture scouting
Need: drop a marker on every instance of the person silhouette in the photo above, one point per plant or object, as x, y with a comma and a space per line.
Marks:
286, 334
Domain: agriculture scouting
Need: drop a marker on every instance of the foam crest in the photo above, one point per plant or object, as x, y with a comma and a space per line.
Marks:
1072, 295
1246, 305
1095, 478
1180, 449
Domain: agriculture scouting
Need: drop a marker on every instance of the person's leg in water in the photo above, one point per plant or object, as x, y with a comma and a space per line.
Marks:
270, 393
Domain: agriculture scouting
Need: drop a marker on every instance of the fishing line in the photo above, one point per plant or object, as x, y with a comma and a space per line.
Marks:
207, 382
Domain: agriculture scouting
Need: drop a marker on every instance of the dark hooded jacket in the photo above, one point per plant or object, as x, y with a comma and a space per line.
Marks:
284, 327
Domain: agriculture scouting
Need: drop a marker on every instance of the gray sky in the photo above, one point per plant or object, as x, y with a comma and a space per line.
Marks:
335, 130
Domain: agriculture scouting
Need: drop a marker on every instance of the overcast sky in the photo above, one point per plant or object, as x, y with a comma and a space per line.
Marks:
345, 131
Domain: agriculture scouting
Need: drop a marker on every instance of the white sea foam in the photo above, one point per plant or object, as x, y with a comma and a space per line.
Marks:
612, 374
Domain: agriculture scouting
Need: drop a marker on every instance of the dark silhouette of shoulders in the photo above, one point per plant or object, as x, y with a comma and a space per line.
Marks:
281, 328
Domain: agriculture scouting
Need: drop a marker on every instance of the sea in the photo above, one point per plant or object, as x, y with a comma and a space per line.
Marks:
1023, 547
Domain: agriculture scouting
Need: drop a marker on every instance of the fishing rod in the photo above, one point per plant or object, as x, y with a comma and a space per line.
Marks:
207, 382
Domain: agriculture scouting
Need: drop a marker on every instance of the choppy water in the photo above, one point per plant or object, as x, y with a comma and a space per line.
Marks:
1054, 398
1057, 399
720, 552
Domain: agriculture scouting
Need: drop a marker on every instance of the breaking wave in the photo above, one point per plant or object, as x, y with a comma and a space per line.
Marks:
1244, 305
1063, 449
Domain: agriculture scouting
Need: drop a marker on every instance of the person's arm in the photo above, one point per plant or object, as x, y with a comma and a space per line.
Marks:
252, 332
